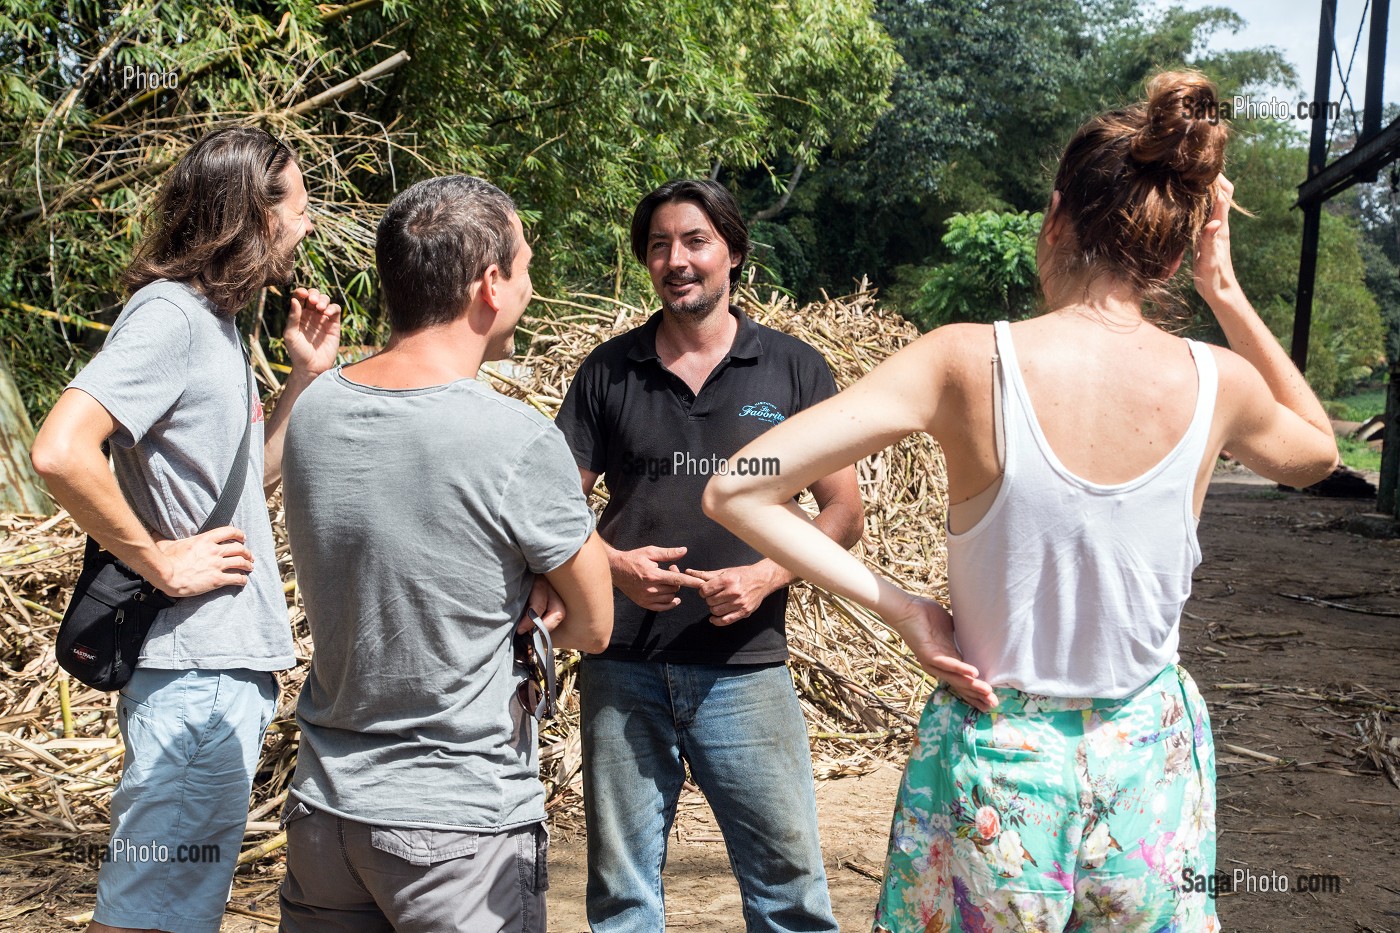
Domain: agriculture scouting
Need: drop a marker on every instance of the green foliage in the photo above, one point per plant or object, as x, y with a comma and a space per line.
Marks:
989, 93
1359, 406
85, 144
1347, 337
777, 258
575, 109
990, 275
578, 109
1358, 455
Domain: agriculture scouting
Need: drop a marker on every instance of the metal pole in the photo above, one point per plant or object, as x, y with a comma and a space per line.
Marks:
1312, 212
1375, 71
1307, 273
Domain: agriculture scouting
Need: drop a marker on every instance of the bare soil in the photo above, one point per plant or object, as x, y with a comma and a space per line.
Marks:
1298, 688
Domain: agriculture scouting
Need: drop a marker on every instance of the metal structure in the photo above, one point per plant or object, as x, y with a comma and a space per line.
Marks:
1375, 148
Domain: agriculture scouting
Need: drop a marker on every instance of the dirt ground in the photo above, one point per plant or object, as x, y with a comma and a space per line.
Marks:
1296, 687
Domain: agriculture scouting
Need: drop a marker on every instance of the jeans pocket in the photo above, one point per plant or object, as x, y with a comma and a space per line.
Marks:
541, 858
139, 694
294, 811
423, 847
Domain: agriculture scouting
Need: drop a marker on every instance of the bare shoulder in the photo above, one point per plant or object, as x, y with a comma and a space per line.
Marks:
1240, 383
958, 350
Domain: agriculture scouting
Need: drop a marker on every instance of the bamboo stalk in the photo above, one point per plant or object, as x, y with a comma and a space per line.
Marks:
65, 706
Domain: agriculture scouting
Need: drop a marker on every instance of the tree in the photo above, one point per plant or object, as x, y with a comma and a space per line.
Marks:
98, 99
576, 109
988, 94
991, 275
1347, 337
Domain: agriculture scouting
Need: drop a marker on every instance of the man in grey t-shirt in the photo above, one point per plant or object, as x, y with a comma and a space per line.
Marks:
170, 392
420, 506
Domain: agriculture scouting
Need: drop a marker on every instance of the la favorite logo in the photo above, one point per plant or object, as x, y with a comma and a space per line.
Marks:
765, 410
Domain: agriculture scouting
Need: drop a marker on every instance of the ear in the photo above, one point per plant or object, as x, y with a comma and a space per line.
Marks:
489, 285
1176, 264
1053, 223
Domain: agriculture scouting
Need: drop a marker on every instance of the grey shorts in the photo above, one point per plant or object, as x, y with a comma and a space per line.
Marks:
349, 877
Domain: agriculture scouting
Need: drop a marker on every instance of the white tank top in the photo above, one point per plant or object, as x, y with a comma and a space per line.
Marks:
1068, 588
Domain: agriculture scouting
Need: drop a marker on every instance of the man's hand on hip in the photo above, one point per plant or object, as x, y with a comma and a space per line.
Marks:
205, 562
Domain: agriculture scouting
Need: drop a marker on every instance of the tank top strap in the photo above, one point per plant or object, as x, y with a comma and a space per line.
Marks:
1207, 390
1020, 431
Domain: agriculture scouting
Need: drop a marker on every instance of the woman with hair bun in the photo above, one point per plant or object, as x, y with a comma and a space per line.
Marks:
1063, 774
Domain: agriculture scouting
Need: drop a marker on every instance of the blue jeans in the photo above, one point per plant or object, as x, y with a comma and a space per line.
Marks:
741, 731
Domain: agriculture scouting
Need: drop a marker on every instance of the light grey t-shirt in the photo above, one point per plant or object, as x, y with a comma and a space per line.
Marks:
417, 518
172, 375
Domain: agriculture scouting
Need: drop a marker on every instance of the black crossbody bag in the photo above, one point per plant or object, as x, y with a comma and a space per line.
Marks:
113, 607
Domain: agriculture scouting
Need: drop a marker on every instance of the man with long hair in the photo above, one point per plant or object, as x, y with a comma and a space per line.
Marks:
170, 392
695, 674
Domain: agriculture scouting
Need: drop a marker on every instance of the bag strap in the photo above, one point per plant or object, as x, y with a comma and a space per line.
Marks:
238, 473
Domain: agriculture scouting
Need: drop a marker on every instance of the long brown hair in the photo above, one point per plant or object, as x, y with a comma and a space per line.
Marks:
212, 224
1136, 185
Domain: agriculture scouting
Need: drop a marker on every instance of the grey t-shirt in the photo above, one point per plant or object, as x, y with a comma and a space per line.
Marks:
172, 375
417, 518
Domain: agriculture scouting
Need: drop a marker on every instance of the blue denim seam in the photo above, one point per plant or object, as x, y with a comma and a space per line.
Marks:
183, 681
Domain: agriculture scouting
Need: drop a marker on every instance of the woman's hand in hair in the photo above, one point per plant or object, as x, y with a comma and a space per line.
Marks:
927, 628
1211, 266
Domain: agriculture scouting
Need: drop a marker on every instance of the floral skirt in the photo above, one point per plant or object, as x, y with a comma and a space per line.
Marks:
1053, 814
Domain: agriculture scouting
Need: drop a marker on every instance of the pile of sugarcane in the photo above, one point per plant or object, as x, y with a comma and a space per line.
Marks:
60, 753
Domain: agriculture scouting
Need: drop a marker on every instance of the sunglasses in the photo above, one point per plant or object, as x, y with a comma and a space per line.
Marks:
534, 651
272, 157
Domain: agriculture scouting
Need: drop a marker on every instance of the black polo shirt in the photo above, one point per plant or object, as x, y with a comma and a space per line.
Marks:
631, 419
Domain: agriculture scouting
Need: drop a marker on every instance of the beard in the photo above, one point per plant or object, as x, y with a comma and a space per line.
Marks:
282, 265
698, 305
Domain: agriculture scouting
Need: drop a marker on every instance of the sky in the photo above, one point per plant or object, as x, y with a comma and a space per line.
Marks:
1292, 27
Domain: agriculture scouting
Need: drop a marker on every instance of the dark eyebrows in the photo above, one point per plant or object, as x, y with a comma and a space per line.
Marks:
698, 231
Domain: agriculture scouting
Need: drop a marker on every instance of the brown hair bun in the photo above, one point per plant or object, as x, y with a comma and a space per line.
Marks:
1137, 185
1181, 130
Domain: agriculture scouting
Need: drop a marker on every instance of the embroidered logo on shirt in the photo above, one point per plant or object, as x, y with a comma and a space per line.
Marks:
765, 410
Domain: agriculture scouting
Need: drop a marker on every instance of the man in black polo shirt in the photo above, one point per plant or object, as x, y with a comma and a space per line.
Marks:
695, 672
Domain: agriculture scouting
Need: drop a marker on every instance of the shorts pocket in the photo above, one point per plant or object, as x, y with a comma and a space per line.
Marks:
1157, 736
1003, 739
423, 847
139, 693
532, 855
